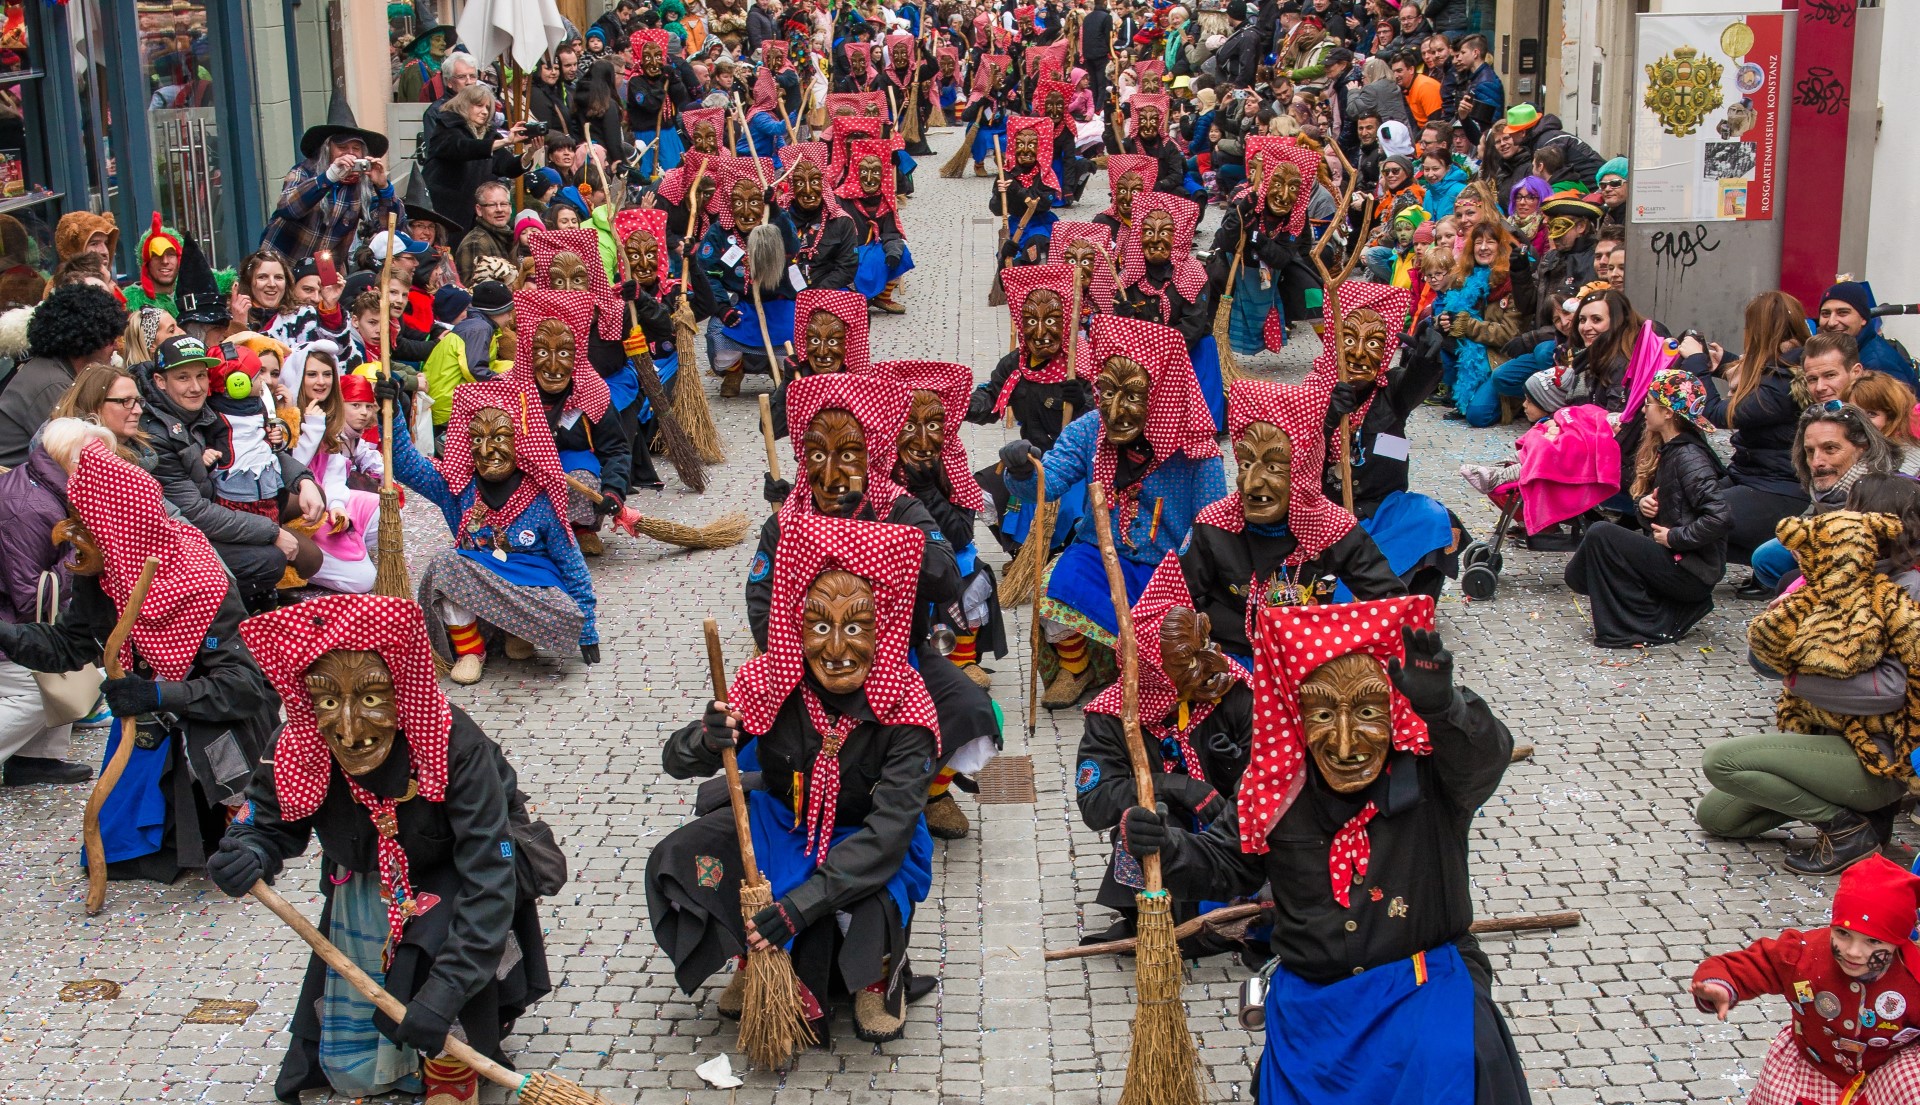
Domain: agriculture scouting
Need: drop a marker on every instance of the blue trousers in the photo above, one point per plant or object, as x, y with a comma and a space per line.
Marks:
1772, 563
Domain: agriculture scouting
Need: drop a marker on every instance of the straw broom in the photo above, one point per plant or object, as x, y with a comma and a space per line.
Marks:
1223, 321
1163, 1068
390, 565
956, 166
680, 450
1025, 571
773, 1019
997, 292
723, 532
1224, 918
534, 1089
690, 407
123, 752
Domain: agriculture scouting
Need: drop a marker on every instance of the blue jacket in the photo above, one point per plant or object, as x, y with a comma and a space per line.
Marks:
1882, 355
1183, 487
1442, 193
769, 134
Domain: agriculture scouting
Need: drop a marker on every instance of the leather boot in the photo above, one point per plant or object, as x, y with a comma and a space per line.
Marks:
734, 997
518, 649
886, 302
945, 821
1843, 842
730, 383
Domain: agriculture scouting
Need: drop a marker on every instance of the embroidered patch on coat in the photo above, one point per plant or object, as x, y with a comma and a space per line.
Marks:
1088, 778
762, 564
709, 871
1127, 871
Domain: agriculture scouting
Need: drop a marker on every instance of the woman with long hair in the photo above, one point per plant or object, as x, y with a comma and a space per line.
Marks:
597, 115
147, 327
335, 410
1477, 311
1889, 406
1762, 409
263, 302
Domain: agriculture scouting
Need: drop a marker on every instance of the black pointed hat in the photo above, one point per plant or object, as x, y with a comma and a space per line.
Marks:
341, 124
420, 205
196, 292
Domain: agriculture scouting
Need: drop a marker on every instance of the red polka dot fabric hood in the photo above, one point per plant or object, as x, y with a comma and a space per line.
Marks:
533, 451
1042, 127
851, 309
821, 157
1270, 151
1189, 275
653, 221
575, 310
953, 383
880, 406
1020, 282
1066, 233
1315, 521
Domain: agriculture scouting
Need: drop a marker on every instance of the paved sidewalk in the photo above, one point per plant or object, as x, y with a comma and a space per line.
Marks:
1600, 821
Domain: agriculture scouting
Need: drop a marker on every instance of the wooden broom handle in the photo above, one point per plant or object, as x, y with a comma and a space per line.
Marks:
386, 362
1129, 670
369, 989
1045, 539
122, 753
574, 484
736, 794
766, 434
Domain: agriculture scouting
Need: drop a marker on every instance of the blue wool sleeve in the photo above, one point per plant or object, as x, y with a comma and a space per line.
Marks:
420, 475
565, 554
1068, 462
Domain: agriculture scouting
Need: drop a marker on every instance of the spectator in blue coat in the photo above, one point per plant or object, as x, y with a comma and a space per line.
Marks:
1848, 308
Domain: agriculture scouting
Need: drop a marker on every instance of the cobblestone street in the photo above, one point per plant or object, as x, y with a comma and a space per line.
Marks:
1599, 820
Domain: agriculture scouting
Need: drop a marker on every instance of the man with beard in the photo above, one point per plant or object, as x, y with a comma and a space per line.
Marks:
1360, 739
1267, 230
1151, 448
1026, 193
1147, 135
846, 735
827, 254
414, 807
1196, 712
1277, 540
553, 329
733, 257
868, 195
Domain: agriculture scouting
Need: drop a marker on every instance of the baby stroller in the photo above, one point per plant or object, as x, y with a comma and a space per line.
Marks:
1569, 464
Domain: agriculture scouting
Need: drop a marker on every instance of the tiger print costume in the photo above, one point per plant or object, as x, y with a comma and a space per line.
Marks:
1841, 624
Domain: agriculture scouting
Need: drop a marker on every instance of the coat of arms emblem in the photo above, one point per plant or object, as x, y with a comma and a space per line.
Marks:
1683, 88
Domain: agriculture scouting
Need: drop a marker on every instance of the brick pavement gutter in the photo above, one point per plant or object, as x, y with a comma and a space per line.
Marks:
1600, 821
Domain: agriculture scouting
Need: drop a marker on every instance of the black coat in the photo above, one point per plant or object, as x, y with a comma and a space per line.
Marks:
1096, 31
453, 163
1103, 781
1376, 476
553, 104
1037, 408
1696, 515
826, 256
176, 443
939, 583
1220, 567
575, 432
1763, 425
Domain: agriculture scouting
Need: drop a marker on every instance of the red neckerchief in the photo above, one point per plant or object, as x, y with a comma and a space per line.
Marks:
823, 781
1160, 294
1189, 759
1053, 372
395, 887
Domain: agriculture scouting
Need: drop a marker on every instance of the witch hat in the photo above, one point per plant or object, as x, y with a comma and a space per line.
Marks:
340, 124
195, 290
420, 206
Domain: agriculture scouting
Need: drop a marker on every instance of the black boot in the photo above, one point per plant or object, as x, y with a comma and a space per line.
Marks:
1843, 842
26, 771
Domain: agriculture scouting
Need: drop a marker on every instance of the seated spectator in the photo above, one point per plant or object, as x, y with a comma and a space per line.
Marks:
1836, 446
76, 326
1848, 308
1889, 406
491, 235
1830, 364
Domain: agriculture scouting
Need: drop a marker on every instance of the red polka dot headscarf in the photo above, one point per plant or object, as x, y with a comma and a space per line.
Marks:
1270, 151
1177, 417
988, 71
1118, 166
286, 642
1166, 591
842, 132
1042, 127
1049, 62
1143, 101
1066, 233
945, 53
1293, 641
860, 59
861, 149
695, 118
898, 44
121, 507
583, 243
1392, 304
533, 306
766, 93
878, 403
1150, 71
533, 451
1020, 282
849, 308
888, 558
773, 55
638, 41
1045, 87
675, 183
653, 222
1299, 412
953, 383
1189, 275
730, 172
817, 152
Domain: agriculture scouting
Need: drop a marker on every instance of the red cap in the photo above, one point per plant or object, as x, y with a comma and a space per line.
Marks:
355, 389
1879, 898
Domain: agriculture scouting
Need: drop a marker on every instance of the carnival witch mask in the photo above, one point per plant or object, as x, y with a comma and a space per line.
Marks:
643, 258
839, 631
923, 437
1055, 105
567, 272
1026, 148
1082, 255
491, 435
748, 204
826, 342
1346, 712
809, 185
1283, 188
1042, 325
553, 351
836, 459
1123, 193
653, 56
870, 169
1147, 123
1265, 457
1363, 346
1123, 387
705, 140
1195, 667
1156, 238
354, 707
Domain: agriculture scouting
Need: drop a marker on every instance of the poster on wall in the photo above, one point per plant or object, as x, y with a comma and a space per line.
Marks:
1709, 104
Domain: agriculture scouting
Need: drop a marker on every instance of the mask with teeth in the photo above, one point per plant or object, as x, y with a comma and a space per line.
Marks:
1156, 238
838, 631
826, 343
1345, 710
1189, 658
704, 139
1283, 188
1265, 458
1042, 320
1122, 392
1147, 123
870, 169
490, 435
1123, 193
1026, 148
924, 435
567, 273
1363, 345
749, 206
1082, 256
553, 356
809, 186
643, 258
354, 708
836, 451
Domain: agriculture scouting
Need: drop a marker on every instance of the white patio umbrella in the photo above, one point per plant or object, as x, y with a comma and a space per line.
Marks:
521, 29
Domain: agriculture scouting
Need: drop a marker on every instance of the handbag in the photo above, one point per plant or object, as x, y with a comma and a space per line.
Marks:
65, 696
537, 858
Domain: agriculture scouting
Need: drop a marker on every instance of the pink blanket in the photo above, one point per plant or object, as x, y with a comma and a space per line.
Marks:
1568, 464
351, 544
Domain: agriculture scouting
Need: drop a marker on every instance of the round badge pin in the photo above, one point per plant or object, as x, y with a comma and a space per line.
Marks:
1890, 1006
1826, 1005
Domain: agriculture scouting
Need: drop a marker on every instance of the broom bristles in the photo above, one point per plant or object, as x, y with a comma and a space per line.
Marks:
680, 451
773, 1018
957, 164
551, 1089
1016, 583
690, 407
1223, 343
725, 532
936, 115
390, 565
1164, 1067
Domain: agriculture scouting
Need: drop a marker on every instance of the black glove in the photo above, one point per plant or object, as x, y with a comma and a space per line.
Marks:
1197, 795
773, 490
1143, 832
778, 923
131, 697
423, 1030
730, 317
1426, 679
1018, 456
609, 504
386, 388
589, 654
894, 251
234, 867
1344, 400
980, 407
719, 733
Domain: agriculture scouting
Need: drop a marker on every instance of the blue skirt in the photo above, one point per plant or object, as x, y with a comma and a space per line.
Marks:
779, 324
663, 367
983, 140
1078, 582
1019, 516
904, 163
779, 845
1206, 369
624, 387
133, 821
1247, 323
1408, 528
662, 157
579, 460
874, 274
1382, 1037
1039, 228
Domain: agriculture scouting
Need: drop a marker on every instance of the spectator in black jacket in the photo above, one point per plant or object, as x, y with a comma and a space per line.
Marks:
1096, 39
760, 27
460, 151
78, 325
550, 98
597, 114
1239, 58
